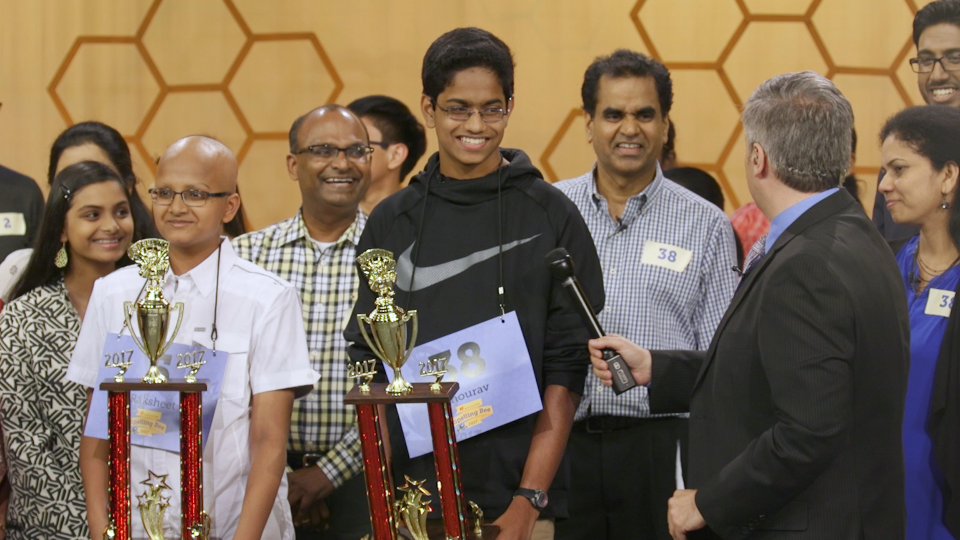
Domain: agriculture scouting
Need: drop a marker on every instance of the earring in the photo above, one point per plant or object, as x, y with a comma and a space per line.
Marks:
943, 203
61, 260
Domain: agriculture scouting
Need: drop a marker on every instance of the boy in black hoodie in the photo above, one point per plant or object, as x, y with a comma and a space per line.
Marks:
470, 235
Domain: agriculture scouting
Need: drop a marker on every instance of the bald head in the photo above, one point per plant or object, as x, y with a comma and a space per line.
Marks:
327, 111
205, 158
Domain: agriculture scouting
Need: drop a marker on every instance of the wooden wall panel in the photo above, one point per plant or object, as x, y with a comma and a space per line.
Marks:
242, 70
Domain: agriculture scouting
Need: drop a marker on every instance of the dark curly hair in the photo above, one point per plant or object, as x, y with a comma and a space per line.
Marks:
461, 49
939, 12
625, 63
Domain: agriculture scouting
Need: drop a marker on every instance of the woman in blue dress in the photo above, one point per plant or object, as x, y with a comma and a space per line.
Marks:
919, 156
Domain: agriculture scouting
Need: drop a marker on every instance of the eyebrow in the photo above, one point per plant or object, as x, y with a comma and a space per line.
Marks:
497, 101
643, 110
953, 50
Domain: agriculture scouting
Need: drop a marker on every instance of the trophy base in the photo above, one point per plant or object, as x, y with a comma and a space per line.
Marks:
436, 532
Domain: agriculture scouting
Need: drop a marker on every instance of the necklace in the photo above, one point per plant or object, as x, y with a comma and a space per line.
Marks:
931, 272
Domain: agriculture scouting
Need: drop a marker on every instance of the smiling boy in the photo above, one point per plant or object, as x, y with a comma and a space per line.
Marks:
470, 234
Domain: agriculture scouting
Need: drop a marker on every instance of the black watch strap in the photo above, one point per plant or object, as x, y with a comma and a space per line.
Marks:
536, 497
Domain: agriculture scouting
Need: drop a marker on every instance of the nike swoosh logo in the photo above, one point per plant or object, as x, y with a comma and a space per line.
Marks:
428, 276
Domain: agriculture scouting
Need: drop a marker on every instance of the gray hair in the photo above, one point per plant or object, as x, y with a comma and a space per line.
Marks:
805, 126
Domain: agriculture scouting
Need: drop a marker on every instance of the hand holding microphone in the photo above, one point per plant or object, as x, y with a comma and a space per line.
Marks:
561, 266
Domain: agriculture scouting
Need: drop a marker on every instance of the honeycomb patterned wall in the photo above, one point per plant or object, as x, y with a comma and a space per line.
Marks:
242, 70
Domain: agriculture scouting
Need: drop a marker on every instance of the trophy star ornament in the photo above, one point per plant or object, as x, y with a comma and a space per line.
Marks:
152, 504
153, 311
387, 336
412, 509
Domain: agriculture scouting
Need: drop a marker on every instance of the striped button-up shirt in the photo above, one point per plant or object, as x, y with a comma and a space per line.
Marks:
327, 283
668, 272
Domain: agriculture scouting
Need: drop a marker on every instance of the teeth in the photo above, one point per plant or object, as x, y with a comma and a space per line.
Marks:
338, 180
941, 92
106, 241
471, 140
628, 145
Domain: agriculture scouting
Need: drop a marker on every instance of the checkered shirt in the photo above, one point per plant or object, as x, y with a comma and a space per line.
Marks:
327, 282
656, 307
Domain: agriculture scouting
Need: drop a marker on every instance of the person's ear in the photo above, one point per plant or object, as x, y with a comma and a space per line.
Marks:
396, 155
233, 206
951, 171
759, 161
428, 111
292, 167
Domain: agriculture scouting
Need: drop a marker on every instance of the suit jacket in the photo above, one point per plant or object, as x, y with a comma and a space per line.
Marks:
796, 407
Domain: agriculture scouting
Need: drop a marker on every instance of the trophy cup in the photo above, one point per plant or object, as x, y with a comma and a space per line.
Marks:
387, 337
153, 311
152, 321
388, 322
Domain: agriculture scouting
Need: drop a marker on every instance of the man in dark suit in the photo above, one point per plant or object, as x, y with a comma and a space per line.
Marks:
796, 407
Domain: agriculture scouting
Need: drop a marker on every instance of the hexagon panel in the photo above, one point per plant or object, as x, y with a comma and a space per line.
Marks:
689, 30
572, 155
263, 177
777, 7
753, 61
271, 94
702, 110
177, 118
861, 45
874, 99
108, 69
908, 78
193, 41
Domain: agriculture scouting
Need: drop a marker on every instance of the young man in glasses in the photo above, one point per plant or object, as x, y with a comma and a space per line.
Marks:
316, 250
470, 234
936, 34
398, 142
249, 316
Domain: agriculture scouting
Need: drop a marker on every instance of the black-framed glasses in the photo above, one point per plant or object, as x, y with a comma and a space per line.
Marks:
191, 197
924, 64
381, 144
326, 152
462, 114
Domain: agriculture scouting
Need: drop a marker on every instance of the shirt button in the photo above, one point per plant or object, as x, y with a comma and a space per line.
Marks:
607, 309
613, 271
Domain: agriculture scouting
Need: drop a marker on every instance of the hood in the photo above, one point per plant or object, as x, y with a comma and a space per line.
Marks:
476, 190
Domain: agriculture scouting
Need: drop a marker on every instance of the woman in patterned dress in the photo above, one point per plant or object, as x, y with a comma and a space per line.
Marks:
86, 229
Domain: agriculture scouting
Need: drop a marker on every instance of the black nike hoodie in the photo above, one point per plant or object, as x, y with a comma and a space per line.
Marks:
460, 220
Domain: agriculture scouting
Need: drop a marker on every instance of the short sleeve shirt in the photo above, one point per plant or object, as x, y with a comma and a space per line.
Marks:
259, 323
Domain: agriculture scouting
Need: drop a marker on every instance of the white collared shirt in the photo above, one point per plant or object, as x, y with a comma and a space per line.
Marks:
259, 324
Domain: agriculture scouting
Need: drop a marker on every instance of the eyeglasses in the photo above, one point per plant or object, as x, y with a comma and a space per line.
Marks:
381, 144
925, 64
326, 152
462, 114
191, 197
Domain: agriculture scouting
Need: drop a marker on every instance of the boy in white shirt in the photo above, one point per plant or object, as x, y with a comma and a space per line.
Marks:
258, 322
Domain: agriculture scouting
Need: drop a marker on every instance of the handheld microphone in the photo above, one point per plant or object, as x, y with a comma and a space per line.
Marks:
561, 266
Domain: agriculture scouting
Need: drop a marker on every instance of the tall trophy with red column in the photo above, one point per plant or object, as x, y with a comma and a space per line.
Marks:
151, 317
387, 337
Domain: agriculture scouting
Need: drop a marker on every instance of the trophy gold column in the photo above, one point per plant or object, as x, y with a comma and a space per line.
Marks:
152, 320
387, 338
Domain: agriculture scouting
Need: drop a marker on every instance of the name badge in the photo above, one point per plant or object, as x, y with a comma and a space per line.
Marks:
12, 224
155, 414
939, 302
497, 383
665, 256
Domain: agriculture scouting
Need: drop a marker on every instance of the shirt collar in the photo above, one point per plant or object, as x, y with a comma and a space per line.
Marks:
784, 219
297, 230
635, 204
204, 275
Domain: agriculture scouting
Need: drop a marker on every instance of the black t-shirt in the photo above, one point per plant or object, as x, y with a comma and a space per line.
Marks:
21, 209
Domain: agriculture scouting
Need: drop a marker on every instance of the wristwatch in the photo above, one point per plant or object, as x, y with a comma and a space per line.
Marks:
536, 497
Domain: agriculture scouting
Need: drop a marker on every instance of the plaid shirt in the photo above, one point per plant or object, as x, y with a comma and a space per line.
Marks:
655, 306
327, 282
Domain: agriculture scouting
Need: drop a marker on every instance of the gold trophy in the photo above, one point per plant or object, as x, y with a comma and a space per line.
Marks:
153, 311
388, 322
412, 509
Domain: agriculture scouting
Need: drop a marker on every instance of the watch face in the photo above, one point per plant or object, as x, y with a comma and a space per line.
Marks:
540, 499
